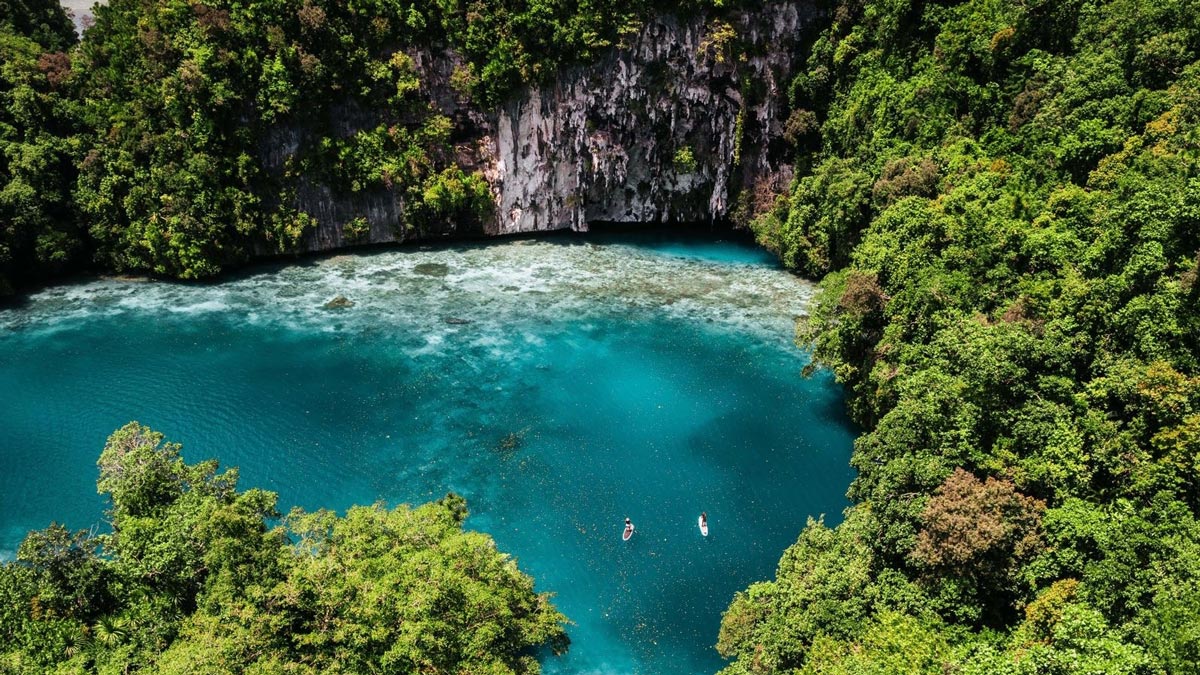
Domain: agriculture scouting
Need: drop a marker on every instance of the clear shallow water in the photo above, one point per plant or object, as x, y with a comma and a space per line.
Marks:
647, 377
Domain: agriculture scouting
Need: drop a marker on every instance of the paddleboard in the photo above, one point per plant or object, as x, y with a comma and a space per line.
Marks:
625, 535
703, 525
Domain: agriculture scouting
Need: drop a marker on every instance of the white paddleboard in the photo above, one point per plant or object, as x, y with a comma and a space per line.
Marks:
703, 525
626, 534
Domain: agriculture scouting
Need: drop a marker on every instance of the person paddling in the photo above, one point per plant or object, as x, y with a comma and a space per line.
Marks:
628, 530
703, 521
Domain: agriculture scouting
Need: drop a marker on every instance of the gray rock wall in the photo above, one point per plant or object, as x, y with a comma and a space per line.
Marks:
599, 142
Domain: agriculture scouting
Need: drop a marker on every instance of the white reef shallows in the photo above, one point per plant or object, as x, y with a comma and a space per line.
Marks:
492, 292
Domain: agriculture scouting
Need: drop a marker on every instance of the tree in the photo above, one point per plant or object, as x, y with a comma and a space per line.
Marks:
195, 579
1003, 199
43, 21
38, 234
975, 527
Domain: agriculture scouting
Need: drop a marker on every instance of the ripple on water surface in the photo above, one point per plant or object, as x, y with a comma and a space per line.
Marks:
560, 385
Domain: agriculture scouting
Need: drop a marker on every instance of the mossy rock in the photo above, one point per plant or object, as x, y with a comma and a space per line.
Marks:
432, 269
339, 302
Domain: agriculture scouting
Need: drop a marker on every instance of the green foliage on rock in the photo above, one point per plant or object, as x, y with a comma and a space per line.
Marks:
176, 137
1003, 198
454, 196
200, 577
184, 98
684, 160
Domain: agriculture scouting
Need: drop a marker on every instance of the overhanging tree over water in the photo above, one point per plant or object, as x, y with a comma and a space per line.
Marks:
1006, 199
196, 576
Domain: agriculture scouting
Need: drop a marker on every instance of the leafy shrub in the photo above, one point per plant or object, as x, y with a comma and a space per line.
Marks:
684, 160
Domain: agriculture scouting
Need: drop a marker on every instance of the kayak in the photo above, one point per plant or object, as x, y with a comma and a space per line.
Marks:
703, 525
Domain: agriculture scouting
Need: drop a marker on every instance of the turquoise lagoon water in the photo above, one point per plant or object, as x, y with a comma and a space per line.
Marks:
559, 385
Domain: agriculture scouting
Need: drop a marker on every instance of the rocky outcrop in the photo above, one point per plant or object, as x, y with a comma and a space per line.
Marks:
671, 126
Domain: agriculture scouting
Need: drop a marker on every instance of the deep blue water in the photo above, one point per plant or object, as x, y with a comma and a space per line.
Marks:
645, 377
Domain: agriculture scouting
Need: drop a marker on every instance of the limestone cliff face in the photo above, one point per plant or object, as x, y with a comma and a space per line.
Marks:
602, 142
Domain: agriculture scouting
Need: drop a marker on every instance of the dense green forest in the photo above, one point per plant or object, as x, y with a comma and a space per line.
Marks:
197, 576
137, 150
1005, 197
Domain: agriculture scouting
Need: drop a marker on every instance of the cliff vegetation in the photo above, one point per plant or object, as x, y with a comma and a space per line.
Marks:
140, 148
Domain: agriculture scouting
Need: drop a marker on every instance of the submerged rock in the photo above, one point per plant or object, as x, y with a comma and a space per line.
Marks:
511, 443
339, 302
432, 269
